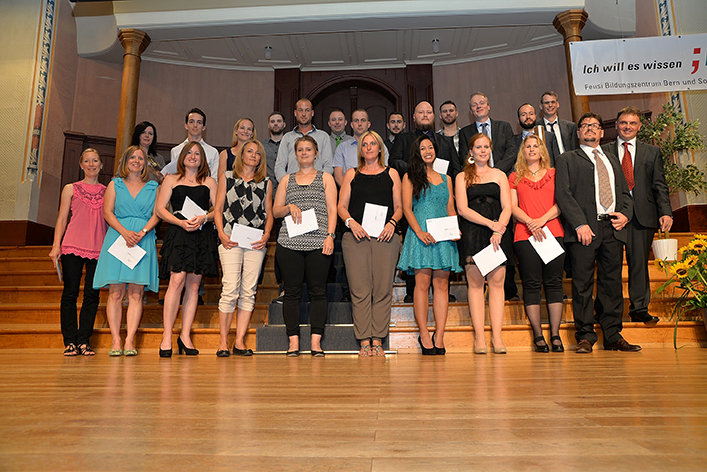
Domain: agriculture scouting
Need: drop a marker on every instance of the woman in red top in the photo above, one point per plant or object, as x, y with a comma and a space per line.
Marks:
534, 207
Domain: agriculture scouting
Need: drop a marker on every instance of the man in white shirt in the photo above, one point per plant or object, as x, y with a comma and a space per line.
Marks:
286, 162
346, 155
591, 191
565, 131
195, 124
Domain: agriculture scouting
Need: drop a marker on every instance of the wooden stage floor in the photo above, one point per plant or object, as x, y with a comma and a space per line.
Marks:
612, 411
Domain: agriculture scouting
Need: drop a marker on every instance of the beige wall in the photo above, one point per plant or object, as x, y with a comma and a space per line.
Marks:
19, 24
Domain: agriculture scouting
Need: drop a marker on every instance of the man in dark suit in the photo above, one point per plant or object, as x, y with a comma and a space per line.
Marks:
424, 121
591, 191
395, 125
643, 167
504, 153
527, 119
565, 131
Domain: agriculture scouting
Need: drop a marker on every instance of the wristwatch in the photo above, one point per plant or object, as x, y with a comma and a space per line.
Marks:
143, 230
333, 235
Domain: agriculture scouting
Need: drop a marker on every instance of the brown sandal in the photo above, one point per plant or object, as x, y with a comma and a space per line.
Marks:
71, 350
378, 351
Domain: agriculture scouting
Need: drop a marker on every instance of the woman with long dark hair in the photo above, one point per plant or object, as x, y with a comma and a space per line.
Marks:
428, 194
145, 136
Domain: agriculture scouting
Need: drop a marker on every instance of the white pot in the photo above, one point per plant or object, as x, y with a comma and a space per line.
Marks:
665, 249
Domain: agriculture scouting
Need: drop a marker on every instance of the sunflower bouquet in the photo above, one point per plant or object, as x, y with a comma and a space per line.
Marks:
689, 275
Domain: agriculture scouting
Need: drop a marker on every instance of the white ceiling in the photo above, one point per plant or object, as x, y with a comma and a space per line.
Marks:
327, 35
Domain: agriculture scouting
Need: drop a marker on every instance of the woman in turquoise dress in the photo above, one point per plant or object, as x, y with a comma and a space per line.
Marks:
128, 208
427, 194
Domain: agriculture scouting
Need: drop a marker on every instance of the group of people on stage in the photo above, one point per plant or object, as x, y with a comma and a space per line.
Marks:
554, 179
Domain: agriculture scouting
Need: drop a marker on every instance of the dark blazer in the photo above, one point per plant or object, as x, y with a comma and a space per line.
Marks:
504, 149
568, 132
651, 196
400, 154
574, 193
550, 142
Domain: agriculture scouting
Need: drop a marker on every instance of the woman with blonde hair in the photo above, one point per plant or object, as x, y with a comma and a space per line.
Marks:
128, 208
243, 130
370, 260
533, 199
484, 203
244, 198
79, 245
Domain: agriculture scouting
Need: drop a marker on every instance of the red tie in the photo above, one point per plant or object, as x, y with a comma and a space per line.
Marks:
627, 166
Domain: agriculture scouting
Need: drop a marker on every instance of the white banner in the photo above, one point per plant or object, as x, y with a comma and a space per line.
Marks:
639, 65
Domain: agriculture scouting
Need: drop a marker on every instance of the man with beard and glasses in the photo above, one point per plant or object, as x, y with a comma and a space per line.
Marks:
527, 119
591, 191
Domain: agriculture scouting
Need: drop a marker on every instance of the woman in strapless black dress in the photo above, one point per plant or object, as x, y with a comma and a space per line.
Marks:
484, 203
189, 249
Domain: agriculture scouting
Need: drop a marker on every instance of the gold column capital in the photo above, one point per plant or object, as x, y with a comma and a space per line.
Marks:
134, 41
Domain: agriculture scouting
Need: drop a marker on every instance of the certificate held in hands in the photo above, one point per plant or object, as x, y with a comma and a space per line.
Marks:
245, 236
487, 259
374, 219
443, 229
129, 256
308, 224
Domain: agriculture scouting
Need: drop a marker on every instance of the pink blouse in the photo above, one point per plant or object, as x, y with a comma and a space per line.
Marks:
87, 228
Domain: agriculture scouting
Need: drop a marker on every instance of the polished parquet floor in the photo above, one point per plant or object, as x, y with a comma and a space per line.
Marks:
613, 411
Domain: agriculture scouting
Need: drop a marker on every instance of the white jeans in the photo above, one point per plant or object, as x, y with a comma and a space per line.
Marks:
241, 268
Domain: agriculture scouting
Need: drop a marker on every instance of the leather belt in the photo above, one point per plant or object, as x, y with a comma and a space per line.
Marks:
604, 217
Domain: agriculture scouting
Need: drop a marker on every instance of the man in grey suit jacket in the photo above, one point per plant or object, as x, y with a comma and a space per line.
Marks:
592, 193
503, 155
643, 167
565, 131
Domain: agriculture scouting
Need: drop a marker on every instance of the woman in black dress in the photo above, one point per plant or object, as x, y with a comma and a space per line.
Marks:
189, 247
484, 203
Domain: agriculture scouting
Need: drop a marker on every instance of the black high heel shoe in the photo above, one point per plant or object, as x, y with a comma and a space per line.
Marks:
166, 352
425, 351
187, 351
540, 347
439, 351
557, 347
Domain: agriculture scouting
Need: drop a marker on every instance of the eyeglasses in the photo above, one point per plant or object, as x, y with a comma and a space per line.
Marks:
594, 126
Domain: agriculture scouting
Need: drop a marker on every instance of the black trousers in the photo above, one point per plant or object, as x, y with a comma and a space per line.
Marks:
604, 254
534, 272
638, 246
295, 267
73, 330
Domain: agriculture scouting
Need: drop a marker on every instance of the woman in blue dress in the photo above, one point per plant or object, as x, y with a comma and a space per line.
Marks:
426, 195
128, 208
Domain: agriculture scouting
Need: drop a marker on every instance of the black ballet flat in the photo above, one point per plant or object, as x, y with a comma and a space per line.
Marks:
439, 351
292, 353
223, 353
540, 347
425, 351
242, 352
557, 347
318, 354
188, 351
166, 352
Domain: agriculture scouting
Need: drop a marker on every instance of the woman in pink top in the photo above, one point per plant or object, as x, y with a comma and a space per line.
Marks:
81, 245
534, 207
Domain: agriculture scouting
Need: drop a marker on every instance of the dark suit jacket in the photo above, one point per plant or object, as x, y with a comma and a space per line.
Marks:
400, 155
550, 142
389, 145
574, 193
568, 132
651, 196
504, 150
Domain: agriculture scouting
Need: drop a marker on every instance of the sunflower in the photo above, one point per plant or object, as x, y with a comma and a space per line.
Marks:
690, 261
679, 269
660, 264
697, 245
